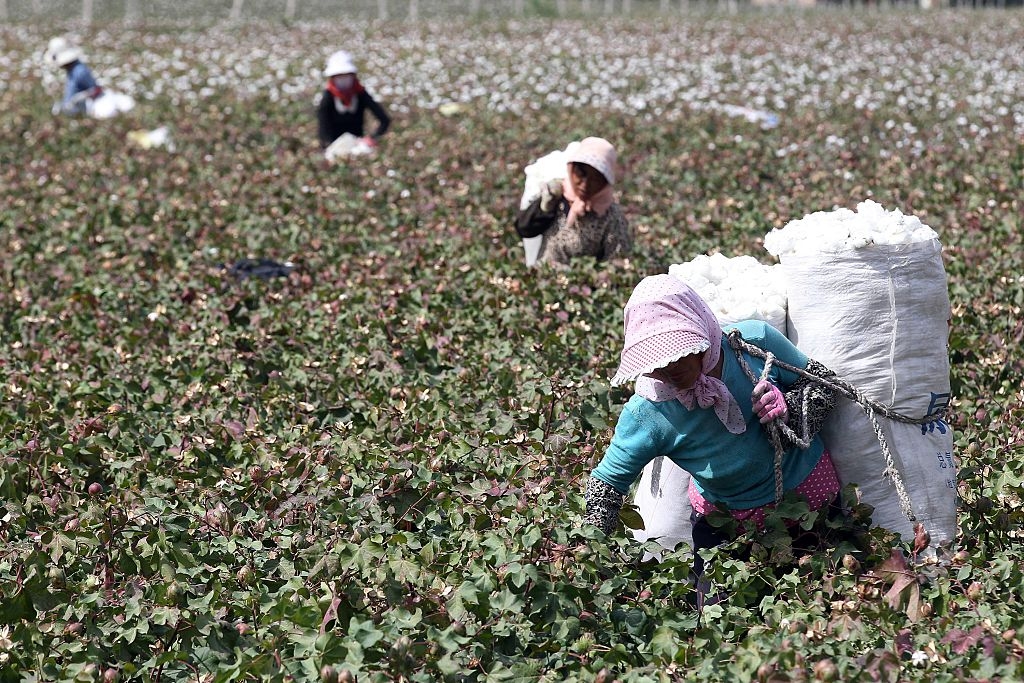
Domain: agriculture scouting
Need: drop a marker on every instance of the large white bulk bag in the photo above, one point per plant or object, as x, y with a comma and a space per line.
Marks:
878, 315
662, 499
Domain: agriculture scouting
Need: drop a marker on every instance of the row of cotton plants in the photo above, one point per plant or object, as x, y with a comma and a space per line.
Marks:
776, 67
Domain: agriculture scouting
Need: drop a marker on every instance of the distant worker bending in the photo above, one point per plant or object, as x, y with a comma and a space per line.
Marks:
344, 103
80, 87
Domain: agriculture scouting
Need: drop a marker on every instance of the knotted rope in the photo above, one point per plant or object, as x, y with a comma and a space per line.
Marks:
777, 429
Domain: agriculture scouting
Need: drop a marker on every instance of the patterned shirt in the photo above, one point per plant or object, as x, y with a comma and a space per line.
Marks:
602, 237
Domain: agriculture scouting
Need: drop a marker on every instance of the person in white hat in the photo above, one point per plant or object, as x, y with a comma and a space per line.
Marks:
81, 85
344, 103
578, 215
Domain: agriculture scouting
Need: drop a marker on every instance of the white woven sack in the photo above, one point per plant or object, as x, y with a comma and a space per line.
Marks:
663, 499
347, 145
879, 317
549, 167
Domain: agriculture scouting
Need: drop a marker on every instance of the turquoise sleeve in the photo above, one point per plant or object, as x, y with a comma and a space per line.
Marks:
785, 351
767, 338
634, 444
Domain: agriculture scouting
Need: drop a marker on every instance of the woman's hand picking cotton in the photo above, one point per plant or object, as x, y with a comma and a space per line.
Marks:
769, 403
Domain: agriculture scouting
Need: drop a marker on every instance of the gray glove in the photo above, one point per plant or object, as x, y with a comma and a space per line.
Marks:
810, 400
603, 505
550, 195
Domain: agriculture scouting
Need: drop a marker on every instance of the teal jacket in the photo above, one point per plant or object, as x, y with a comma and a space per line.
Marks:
736, 470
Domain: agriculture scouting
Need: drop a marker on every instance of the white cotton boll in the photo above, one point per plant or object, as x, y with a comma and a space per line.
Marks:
735, 289
702, 267
845, 230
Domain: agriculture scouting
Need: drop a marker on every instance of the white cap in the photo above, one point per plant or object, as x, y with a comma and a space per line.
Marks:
60, 52
339, 63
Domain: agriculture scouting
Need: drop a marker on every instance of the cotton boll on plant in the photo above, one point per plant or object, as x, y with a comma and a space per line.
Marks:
845, 230
738, 288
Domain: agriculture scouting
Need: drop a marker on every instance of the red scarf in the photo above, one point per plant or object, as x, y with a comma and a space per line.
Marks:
346, 95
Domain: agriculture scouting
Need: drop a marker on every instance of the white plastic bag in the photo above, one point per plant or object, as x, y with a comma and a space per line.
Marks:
663, 500
347, 145
878, 316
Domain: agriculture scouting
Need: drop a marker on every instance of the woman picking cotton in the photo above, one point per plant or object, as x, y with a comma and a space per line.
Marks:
695, 404
344, 103
578, 215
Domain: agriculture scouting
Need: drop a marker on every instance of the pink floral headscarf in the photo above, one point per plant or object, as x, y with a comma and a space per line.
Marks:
664, 321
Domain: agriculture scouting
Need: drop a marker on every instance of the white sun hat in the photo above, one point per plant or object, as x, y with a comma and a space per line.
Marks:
339, 63
60, 52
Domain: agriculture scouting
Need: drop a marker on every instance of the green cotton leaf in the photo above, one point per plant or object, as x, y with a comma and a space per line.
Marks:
712, 612
406, 620
665, 644
468, 593
593, 417
503, 425
364, 632
16, 607
448, 666
531, 537
518, 574
630, 517
635, 620
404, 570
506, 601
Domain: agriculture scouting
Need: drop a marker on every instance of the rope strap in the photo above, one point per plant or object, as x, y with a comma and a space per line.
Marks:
777, 429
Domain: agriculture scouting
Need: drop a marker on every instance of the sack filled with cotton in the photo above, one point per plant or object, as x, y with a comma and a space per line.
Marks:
867, 297
737, 288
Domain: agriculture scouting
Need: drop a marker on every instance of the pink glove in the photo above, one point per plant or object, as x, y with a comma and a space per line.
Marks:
369, 141
769, 402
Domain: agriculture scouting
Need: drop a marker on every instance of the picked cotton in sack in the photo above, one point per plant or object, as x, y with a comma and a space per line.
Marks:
738, 288
109, 105
347, 145
842, 230
551, 166
868, 299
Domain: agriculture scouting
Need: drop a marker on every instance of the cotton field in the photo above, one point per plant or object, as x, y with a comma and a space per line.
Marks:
971, 71
272, 418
